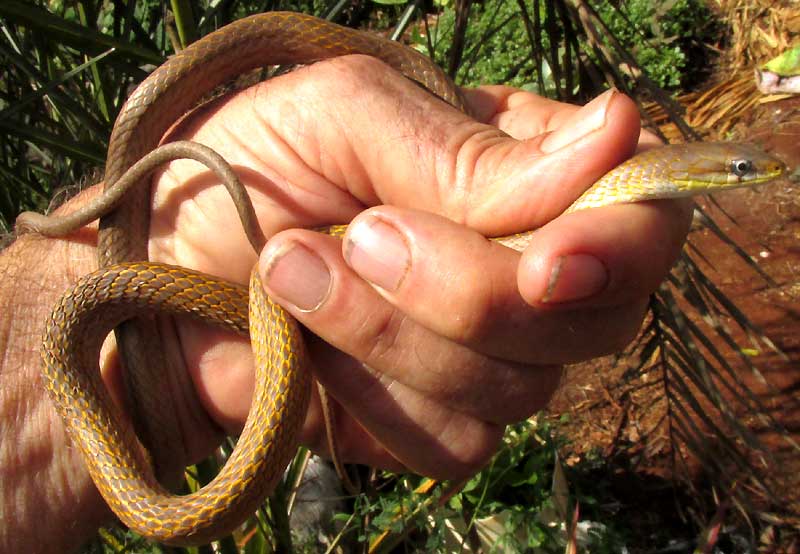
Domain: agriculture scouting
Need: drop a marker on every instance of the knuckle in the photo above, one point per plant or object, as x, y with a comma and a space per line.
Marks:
470, 145
378, 335
473, 311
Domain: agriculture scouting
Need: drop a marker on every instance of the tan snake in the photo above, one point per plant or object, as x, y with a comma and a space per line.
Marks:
117, 461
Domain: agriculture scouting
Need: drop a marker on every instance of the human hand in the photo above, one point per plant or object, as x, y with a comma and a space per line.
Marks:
456, 336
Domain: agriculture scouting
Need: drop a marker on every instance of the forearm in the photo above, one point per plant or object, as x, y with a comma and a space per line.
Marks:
47, 501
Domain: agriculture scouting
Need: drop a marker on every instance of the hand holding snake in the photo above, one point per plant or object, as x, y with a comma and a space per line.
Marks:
488, 327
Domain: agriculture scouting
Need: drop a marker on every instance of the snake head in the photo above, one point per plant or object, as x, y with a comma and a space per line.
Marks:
721, 165
677, 170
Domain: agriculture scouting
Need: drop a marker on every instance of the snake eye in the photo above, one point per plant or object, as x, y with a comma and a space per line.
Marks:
740, 168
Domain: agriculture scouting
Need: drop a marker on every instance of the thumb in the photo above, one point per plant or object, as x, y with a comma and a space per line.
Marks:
384, 140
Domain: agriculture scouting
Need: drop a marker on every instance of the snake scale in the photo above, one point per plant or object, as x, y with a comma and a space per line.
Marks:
128, 287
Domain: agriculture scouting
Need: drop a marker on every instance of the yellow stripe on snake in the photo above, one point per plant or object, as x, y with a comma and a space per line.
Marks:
117, 461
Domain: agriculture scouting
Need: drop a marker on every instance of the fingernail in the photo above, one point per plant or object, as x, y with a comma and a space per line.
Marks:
574, 278
297, 275
378, 252
588, 119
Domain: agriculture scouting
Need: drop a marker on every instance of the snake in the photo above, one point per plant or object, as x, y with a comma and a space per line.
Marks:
128, 288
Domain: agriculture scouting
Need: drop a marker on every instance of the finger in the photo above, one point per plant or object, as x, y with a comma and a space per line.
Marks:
550, 169
457, 284
603, 257
379, 422
446, 431
304, 271
355, 444
521, 114
415, 430
524, 115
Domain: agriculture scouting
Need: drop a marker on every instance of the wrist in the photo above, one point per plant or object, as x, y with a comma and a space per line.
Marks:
47, 499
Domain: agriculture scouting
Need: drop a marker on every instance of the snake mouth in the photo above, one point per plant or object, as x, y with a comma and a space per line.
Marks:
769, 173
713, 181
775, 170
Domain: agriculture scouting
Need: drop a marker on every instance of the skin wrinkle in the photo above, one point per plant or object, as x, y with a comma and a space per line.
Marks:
505, 115
376, 333
419, 155
463, 395
411, 109
507, 185
329, 167
285, 154
500, 161
537, 213
449, 430
360, 187
186, 252
464, 150
385, 334
471, 455
168, 247
498, 178
424, 157
279, 149
427, 365
468, 396
346, 76
280, 146
193, 209
301, 144
383, 386
460, 395
234, 138
483, 208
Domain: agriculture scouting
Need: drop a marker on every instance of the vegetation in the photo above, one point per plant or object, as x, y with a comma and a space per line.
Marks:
70, 65
662, 36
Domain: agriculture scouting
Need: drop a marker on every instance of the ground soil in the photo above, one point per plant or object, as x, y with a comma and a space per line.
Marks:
610, 418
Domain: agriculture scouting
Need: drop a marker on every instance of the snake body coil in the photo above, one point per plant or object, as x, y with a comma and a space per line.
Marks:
124, 474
